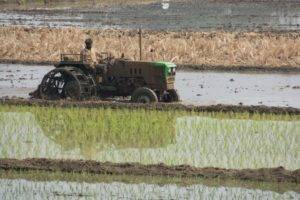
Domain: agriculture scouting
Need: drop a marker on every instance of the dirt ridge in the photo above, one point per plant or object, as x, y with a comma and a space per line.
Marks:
241, 68
278, 174
156, 106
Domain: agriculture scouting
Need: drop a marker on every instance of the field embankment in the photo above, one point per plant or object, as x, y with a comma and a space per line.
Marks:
158, 106
233, 140
204, 49
134, 141
41, 176
264, 174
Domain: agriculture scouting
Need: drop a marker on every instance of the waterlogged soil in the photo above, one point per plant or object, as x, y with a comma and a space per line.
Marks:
79, 166
40, 176
90, 178
20, 80
172, 15
211, 88
117, 104
26, 189
201, 88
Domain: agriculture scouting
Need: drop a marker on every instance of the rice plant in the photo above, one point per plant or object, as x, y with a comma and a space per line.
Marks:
232, 140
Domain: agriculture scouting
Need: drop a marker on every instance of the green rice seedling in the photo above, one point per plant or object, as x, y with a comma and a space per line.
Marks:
227, 140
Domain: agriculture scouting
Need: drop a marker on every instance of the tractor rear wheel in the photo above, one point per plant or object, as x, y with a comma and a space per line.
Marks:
52, 85
171, 96
144, 95
72, 90
67, 82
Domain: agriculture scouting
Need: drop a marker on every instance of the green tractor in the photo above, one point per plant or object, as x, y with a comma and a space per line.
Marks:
145, 82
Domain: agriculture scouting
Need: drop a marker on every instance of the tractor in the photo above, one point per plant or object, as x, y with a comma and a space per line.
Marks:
145, 82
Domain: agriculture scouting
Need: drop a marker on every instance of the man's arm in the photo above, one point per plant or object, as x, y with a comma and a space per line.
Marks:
93, 56
83, 55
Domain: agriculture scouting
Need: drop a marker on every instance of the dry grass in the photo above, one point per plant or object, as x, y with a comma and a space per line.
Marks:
210, 48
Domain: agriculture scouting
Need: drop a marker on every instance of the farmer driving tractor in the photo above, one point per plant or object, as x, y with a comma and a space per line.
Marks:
87, 54
90, 77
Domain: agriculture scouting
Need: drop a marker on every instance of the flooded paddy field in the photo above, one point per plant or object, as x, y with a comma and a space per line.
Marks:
21, 189
197, 88
137, 153
238, 144
19, 80
162, 15
228, 149
179, 181
208, 88
231, 141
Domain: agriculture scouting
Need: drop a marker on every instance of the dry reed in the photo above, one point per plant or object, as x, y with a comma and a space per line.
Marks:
208, 48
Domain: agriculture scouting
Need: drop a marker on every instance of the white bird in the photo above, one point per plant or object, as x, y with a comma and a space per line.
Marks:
165, 5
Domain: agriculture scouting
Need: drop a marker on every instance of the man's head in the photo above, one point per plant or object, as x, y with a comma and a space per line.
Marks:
88, 43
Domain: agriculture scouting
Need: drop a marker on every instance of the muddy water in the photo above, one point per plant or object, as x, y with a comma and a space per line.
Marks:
239, 88
189, 14
19, 80
203, 88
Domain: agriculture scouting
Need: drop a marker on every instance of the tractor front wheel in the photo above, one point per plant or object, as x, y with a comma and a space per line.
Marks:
144, 95
171, 96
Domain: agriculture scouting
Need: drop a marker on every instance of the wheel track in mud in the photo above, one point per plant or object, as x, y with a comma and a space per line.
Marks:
157, 106
187, 67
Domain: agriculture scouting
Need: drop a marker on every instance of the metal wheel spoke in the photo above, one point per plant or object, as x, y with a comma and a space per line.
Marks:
67, 82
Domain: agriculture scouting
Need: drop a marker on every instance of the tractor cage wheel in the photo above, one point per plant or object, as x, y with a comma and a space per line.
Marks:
67, 82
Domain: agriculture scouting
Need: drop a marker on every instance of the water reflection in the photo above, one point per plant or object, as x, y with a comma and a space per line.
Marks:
23, 189
196, 141
59, 136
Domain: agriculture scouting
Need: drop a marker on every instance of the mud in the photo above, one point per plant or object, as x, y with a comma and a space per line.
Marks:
19, 80
158, 106
241, 68
79, 166
178, 15
40, 176
186, 67
201, 88
247, 88
66, 4
26, 62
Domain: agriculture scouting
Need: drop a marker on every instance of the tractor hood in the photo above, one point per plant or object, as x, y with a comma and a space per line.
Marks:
166, 66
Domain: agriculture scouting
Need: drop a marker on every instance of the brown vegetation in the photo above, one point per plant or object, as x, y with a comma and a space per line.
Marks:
208, 48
